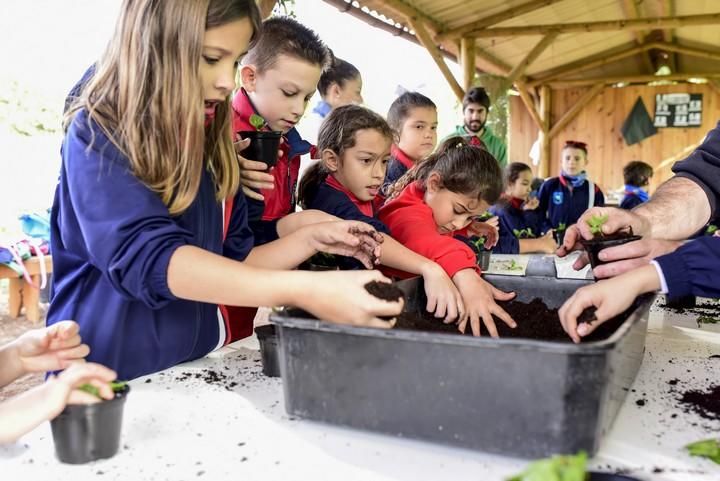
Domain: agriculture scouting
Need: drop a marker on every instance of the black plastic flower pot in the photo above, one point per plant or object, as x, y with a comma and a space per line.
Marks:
483, 260
264, 146
594, 246
88, 432
559, 236
268, 338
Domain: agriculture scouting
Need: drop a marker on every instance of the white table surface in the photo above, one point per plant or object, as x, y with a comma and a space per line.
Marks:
179, 427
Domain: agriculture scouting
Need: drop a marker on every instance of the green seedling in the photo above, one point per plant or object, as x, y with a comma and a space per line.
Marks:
514, 266
479, 243
561, 227
557, 468
595, 223
711, 229
257, 121
524, 233
708, 448
116, 386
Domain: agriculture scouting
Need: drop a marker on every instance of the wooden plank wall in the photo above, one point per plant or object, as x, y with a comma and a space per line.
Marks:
599, 124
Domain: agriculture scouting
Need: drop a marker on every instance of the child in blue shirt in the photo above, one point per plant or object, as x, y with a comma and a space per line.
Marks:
521, 225
413, 119
563, 199
150, 235
354, 145
637, 175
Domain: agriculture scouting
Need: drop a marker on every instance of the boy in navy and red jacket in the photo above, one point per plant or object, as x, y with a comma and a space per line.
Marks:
563, 199
273, 90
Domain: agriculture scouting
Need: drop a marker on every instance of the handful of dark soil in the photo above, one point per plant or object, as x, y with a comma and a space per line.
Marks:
386, 292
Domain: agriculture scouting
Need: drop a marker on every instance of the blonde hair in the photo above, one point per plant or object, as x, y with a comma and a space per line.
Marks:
146, 96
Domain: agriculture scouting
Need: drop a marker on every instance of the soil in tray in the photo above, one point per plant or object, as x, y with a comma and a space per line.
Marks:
534, 321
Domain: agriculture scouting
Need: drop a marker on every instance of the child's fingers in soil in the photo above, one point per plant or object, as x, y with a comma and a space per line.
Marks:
489, 324
504, 316
501, 295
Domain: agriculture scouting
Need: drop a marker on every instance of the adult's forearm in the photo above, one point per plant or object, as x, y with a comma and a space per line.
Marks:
677, 210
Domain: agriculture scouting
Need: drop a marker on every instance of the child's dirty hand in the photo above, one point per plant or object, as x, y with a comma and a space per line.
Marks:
479, 297
348, 238
48, 349
341, 297
547, 242
63, 388
443, 298
253, 175
610, 298
487, 229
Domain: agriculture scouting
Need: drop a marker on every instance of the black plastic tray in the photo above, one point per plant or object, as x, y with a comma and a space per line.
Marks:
517, 397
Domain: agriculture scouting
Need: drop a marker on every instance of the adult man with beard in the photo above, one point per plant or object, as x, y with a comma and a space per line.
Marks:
476, 104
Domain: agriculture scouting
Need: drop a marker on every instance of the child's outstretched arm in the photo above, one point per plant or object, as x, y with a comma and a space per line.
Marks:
48, 349
24, 412
479, 297
317, 232
610, 297
443, 298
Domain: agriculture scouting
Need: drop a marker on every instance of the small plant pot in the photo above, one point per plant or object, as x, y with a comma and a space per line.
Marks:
87, 432
594, 246
559, 236
483, 260
264, 146
683, 302
269, 351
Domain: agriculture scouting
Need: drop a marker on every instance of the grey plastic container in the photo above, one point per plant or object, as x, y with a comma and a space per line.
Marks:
517, 397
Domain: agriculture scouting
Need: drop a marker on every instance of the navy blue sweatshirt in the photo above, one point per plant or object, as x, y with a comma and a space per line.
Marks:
630, 201
399, 164
512, 219
693, 269
333, 201
561, 204
703, 168
112, 239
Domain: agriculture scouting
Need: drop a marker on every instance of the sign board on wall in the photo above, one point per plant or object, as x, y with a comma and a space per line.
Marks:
678, 110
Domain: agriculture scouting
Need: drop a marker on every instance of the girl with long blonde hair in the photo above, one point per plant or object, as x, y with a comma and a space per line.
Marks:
145, 255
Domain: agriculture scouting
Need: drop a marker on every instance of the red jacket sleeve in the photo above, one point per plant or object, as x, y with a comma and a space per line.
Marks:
416, 230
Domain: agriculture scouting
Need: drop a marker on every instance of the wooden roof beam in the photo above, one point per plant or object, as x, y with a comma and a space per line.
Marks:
695, 52
512, 12
632, 79
427, 41
406, 11
603, 26
601, 59
632, 11
537, 50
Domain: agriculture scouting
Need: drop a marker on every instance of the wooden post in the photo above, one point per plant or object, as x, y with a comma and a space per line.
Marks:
632, 11
545, 144
429, 44
579, 105
266, 7
467, 61
529, 103
538, 49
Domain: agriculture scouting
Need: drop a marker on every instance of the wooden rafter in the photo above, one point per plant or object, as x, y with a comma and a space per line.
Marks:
632, 79
632, 11
538, 49
495, 19
603, 26
599, 60
407, 11
612, 55
529, 103
576, 108
426, 40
